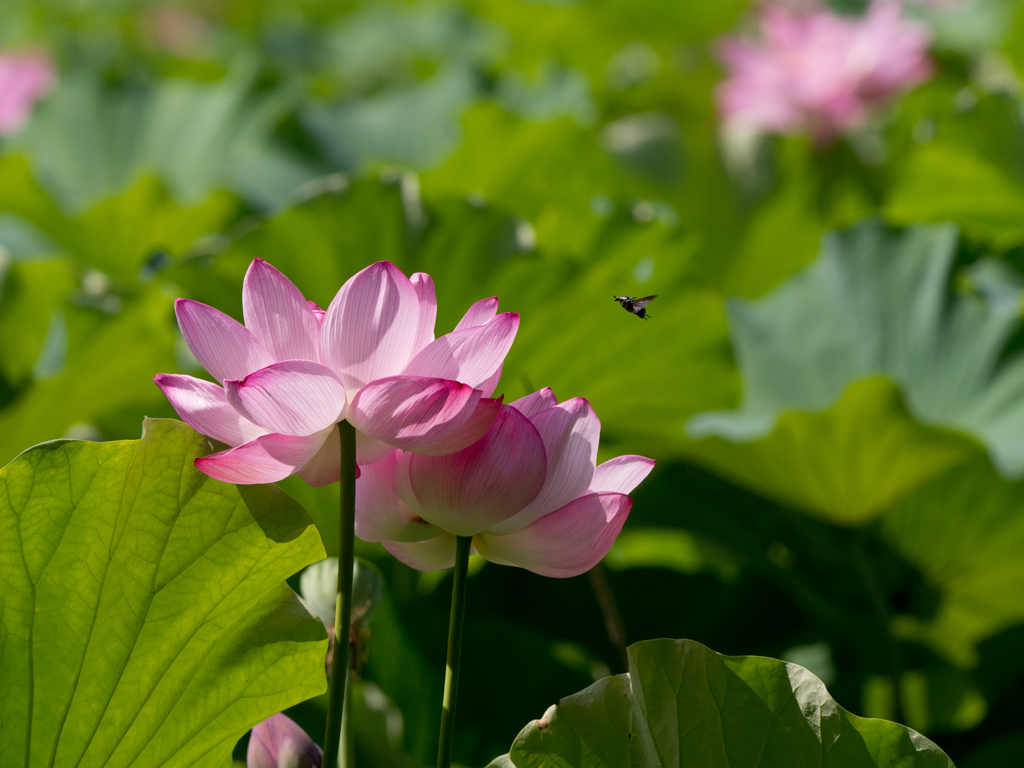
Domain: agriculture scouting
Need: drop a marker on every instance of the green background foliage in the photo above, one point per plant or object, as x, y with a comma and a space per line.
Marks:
830, 380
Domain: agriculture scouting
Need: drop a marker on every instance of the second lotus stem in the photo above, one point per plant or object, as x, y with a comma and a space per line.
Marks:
451, 676
341, 665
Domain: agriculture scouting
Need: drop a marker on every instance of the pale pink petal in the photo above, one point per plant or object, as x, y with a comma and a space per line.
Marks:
380, 514
317, 312
491, 384
403, 485
296, 397
621, 474
370, 449
470, 355
325, 467
413, 412
266, 459
203, 407
277, 313
481, 312
280, 737
571, 432
567, 542
535, 402
428, 310
432, 555
369, 330
477, 488
222, 345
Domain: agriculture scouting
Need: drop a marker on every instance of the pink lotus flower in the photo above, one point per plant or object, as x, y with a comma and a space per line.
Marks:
24, 79
528, 493
293, 371
279, 742
821, 73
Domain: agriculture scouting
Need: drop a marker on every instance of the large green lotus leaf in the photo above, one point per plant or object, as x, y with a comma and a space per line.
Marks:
579, 177
318, 244
846, 463
943, 183
587, 36
91, 139
969, 172
145, 616
876, 302
681, 705
104, 378
965, 531
31, 292
569, 170
118, 234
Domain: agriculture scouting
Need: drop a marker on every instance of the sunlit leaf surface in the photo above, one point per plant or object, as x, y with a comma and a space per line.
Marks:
145, 618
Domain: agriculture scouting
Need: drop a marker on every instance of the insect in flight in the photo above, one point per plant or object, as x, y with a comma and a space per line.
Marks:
637, 306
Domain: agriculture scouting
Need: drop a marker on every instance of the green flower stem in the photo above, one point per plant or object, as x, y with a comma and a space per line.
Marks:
347, 750
337, 694
451, 676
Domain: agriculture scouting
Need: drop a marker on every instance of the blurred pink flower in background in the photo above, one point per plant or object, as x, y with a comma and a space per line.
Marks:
293, 371
528, 493
814, 71
279, 742
24, 79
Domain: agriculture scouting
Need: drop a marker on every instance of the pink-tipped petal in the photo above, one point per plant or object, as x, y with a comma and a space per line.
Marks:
470, 355
432, 555
317, 312
296, 397
481, 312
222, 345
325, 467
380, 514
277, 313
491, 384
463, 437
369, 330
424, 286
203, 406
266, 459
571, 432
535, 402
477, 488
279, 741
621, 474
567, 542
412, 412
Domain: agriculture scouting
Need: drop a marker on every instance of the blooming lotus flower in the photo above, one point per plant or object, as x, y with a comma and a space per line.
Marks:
821, 73
293, 371
279, 742
528, 493
24, 79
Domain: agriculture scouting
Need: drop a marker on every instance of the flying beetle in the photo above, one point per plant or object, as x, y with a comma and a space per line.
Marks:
637, 306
